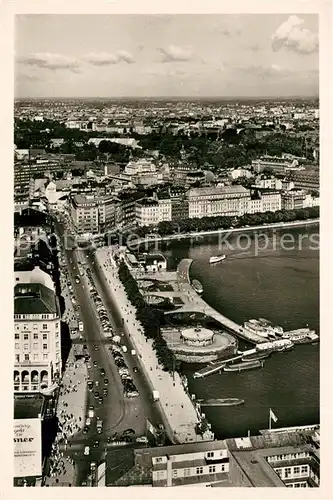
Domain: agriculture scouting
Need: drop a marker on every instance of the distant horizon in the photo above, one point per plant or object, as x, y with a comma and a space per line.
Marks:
174, 98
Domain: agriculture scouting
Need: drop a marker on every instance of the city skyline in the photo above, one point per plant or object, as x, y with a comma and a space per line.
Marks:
156, 56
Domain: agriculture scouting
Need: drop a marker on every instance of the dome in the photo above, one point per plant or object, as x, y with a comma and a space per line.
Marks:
197, 334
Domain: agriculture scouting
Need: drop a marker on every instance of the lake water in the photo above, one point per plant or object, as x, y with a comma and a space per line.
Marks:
278, 281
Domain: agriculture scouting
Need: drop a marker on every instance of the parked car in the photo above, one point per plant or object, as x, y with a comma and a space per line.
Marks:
142, 439
86, 450
96, 395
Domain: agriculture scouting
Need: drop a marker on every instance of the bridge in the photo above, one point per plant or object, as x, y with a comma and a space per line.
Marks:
194, 304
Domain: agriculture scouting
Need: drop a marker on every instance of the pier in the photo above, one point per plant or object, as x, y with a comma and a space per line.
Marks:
194, 304
219, 365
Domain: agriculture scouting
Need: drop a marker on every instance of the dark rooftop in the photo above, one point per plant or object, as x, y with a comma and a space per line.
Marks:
28, 406
34, 298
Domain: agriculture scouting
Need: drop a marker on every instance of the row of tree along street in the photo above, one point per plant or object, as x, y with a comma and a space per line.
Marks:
149, 317
186, 226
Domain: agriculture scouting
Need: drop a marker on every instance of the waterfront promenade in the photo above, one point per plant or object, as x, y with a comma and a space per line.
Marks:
195, 303
180, 415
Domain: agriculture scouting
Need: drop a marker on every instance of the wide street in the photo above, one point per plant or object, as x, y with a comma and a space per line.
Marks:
116, 411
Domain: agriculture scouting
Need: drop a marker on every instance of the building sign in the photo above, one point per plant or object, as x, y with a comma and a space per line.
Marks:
27, 447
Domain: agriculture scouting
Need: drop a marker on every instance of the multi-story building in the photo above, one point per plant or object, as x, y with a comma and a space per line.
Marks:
151, 211
274, 163
107, 212
283, 458
140, 167
84, 214
36, 331
293, 199
280, 458
147, 212
218, 201
304, 180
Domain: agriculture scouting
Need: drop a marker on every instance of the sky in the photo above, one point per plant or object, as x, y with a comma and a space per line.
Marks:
224, 55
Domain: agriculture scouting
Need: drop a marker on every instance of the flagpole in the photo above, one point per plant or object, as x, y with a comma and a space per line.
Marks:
270, 420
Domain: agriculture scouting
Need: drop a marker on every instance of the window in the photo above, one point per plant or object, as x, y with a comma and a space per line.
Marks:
297, 470
35, 336
278, 471
212, 469
222, 467
287, 471
44, 326
45, 356
199, 470
26, 357
187, 472
17, 336
44, 336
44, 346
210, 454
175, 473
35, 357
36, 345
158, 460
17, 358
25, 336
26, 347
17, 346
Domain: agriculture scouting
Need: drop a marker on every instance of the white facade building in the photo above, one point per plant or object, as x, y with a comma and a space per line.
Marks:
218, 201
37, 334
150, 212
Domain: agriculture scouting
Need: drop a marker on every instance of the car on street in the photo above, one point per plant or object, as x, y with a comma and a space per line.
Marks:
77, 279
96, 444
86, 450
135, 369
100, 400
91, 412
80, 326
106, 381
97, 383
142, 439
95, 364
95, 347
88, 422
90, 385
102, 372
105, 392
128, 432
96, 395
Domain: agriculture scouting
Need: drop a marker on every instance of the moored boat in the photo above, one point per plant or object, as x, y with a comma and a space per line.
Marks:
239, 367
197, 286
222, 402
216, 258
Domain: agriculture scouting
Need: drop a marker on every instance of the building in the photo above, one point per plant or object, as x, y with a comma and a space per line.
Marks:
140, 167
286, 457
265, 201
84, 214
37, 333
293, 200
147, 212
218, 201
305, 180
197, 464
274, 163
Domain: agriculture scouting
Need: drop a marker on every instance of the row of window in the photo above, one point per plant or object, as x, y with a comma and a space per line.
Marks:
26, 336
45, 326
31, 357
298, 485
289, 456
33, 316
296, 471
35, 346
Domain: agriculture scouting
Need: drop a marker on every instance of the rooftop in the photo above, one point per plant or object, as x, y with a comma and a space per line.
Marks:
210, 191
182, 449
28, 406
34, 298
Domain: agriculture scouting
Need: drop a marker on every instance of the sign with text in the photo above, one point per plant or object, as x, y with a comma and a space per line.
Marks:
27, 447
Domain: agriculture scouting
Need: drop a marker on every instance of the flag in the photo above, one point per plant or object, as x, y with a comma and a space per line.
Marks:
273, 416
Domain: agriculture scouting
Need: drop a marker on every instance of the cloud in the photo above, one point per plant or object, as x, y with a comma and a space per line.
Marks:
106, 59
174, 53
50, 61
263, 71
26, 77
292, 36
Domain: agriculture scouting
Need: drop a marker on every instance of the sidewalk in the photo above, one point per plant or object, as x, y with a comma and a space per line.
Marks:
71, 415
174, 400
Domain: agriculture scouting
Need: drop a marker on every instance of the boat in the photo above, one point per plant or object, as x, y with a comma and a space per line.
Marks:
197, 286
239, 367
221, 402
264, 328
278, 330
256, 356
216, 258
301, 336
